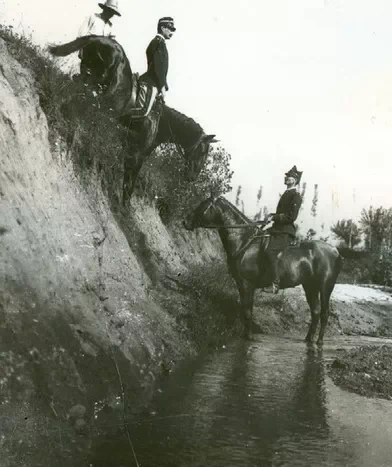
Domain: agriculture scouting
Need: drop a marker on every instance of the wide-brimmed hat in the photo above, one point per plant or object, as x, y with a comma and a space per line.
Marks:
112, 5
293, 172
167, 22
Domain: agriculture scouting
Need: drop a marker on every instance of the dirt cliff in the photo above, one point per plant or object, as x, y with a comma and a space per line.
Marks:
94, 306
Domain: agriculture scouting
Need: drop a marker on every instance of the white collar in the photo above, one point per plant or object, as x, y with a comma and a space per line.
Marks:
100, 17
160, 35
292, 188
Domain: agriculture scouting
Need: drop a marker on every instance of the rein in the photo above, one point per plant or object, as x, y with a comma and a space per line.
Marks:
234, 226
257, 234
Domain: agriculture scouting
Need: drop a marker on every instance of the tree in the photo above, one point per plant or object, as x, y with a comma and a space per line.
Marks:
313, 209
164, 179
259, 195
259, 212
237, 196
302, 192
348, 231
377, 226
310, 234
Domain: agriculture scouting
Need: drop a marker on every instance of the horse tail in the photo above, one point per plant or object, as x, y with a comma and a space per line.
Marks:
337, 265
65, 49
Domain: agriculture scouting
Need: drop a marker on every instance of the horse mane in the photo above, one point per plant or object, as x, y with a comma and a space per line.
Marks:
185, 128
227, 203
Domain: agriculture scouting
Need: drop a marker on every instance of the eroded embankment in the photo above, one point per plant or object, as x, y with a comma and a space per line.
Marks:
94, 306
354, 310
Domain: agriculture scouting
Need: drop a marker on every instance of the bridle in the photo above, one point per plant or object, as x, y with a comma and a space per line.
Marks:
179, 148
258, 233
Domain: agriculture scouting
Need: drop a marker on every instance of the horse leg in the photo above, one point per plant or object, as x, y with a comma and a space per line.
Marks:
132, 165
325, 295
247, 292
142, 144
312, 297
131, 168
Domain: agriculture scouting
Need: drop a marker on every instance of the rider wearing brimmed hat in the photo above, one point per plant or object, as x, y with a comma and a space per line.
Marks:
283, 229
99, 24
154, 81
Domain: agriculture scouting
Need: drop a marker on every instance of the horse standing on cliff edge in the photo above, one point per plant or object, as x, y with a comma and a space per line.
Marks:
105, 66
314, 264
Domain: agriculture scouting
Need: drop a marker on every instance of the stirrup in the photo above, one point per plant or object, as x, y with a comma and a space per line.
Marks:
272, 288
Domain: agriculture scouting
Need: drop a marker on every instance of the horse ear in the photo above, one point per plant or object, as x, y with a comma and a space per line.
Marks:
210, 139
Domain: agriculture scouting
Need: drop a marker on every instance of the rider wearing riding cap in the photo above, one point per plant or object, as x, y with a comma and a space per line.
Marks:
283, 229
153, 83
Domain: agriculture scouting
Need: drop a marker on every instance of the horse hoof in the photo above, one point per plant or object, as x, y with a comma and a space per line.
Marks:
248, 336
310, 344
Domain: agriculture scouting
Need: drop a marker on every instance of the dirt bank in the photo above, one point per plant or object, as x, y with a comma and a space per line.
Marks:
366, 370
94, 305
355, 310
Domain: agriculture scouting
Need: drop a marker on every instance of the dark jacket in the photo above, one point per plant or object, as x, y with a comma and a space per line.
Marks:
287, 213
158, 64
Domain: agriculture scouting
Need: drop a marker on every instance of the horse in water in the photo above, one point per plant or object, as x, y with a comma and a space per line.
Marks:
104, 66
314, 264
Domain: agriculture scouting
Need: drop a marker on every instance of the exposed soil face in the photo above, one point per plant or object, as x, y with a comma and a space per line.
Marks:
95, 306
365, 370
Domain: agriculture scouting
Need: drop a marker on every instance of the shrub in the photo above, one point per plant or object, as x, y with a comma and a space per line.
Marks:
163, 177
215, 311
357, 266
382, 268
95, 141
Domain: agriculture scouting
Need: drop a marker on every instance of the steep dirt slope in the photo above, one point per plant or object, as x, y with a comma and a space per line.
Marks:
84, 312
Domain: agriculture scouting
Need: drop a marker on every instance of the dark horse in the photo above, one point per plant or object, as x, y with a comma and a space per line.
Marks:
314, 264
104, 64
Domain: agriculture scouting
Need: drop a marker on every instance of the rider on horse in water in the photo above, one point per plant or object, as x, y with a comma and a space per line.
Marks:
283, 229
153, 83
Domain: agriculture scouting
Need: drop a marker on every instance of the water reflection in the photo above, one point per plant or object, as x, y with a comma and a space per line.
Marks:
264, 404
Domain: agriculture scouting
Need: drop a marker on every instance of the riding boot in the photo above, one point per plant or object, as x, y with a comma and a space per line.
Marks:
274, 274
145, 99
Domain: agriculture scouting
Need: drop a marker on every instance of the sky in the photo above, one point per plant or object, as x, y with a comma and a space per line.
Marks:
282, 83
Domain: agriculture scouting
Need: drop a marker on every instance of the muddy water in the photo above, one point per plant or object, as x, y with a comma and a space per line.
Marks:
264, 403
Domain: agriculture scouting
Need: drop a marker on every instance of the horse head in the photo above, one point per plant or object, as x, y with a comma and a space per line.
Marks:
204, 215
196, 156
